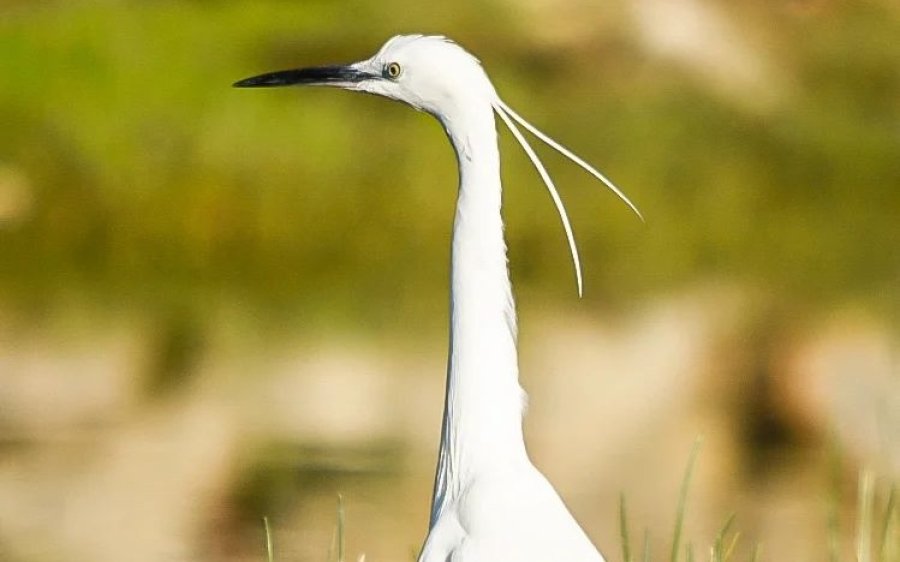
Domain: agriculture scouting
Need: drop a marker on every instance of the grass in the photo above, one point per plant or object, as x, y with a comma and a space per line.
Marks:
270, 548
877, 534
682, 501
885, 542
336, 552
725, 544
864, 517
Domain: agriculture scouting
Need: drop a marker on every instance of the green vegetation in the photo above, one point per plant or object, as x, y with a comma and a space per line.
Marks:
270, 546
876, 535
144, 180
723, 547
336, 552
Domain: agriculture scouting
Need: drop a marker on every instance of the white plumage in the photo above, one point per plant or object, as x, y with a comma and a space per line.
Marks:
490, 503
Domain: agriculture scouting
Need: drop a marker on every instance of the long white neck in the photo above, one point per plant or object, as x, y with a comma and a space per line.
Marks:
482, 426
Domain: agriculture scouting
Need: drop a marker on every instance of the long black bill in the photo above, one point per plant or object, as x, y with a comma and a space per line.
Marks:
315, 76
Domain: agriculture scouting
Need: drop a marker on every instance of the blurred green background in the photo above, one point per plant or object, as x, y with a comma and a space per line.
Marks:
142, 177
142, 198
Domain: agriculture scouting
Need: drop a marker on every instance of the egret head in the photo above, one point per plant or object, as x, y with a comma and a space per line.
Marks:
435, 75
430, 73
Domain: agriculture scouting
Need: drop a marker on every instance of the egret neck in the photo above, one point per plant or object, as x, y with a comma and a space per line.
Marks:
482, 426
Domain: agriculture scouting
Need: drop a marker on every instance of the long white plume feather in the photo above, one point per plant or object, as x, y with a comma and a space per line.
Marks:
565, 152
502, 110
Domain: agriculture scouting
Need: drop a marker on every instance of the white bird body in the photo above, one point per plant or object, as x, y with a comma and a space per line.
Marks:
513, 514
490, 503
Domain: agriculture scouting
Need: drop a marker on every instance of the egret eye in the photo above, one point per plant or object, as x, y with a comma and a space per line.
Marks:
392, 70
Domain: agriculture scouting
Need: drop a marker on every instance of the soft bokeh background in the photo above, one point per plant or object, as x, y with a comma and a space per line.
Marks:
217, 304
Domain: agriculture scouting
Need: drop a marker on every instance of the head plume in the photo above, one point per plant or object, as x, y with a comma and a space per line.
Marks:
510, 118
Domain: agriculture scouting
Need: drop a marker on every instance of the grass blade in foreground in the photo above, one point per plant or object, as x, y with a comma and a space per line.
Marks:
646, 555
864, 526
682, 501
623, 530
337, 542
754, 556
883, 554
270, 550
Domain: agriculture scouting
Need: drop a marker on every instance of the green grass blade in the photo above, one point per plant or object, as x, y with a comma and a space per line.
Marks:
340, 528
726, 556
886, 525
682, 501
864, 523
337, 539
645, 557
270, 549
754, 555
718, 544
623, 529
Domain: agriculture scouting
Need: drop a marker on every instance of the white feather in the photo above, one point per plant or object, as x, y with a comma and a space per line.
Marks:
503, 111
568, 154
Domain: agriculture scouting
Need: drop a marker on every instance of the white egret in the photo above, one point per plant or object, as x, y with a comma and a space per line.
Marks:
490, 503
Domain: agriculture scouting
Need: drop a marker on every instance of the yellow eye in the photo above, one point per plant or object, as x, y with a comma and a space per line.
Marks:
393, 70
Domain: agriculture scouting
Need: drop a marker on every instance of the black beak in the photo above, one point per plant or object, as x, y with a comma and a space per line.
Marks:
315, 76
